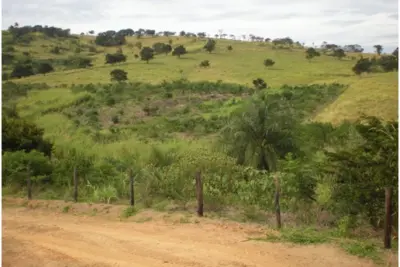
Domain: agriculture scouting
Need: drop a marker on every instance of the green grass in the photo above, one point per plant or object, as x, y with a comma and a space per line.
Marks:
373, 94
309, 236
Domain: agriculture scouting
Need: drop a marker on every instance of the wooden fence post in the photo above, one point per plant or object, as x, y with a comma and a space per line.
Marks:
388, 217
75, 185
131, 187
29, 183
277, 205
199, 194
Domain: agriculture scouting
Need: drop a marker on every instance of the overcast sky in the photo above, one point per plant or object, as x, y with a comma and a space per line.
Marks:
366, 22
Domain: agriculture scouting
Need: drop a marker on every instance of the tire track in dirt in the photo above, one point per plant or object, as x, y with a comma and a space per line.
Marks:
44, 238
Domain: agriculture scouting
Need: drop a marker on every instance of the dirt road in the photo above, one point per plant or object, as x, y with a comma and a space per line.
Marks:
44, 237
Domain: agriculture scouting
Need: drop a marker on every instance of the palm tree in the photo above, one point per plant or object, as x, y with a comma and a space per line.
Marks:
261, 132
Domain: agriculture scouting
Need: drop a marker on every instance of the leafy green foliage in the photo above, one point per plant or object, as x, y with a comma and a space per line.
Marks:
110, 38
119, 75
204, 64
115, 58
362, 65
44, 68
210, 45
229, 48
268, 62
378, 49
179, 50
19, 134
17, 165
311, 53
22, 70
146, 54
259, 83
362, 173
339, 53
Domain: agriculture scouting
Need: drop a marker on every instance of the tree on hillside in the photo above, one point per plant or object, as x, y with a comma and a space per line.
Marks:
91, 32
146, 54
229, 47
179, 50
22, 70
388, 63
362, 65
20, 134
311, 53
44, 68
395, 53
167, 49
259, 84
378, 49
170, 41
115, 58
118, 75
261, 132
201, 35
268, 62
210, 45
158, 48
182, 33
204, 64
110, 38
339, 53
138, 45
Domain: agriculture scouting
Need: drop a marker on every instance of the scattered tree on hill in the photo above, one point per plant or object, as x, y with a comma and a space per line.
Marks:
170, 41
311, 53
182, 33
158, 48
268, 62
146, 54
395, 53
259, 83
91, 32
138, 45
210, 45
362, 65
179, 50
110, 38
339, 53
378, 49
136, 56
201, 35
44, 68
22, 70
115, 58
204, 64
167, 49
229, 47
388, 63
354, 48
118, 75
267, 40
51, 32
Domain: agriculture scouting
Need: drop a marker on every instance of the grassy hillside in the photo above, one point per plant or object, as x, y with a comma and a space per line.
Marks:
373, 94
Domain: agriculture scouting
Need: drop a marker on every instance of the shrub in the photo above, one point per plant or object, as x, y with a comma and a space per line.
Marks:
119, 75
259, 83
204, 64
115, 58
268, 62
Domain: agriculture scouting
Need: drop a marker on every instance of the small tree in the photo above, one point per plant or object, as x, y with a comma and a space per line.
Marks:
378, 49
362, 65
44, 68
115, 58
339, 53
395, 53
138, 45
146, 54
136, 56
311, 53
204, 64
170, 41
210, 45
179, 50
118, 75
22, 70
259, 83
229, 47
268, 62
167, 49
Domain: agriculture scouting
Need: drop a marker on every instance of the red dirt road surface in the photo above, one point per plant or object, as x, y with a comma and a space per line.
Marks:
46, 237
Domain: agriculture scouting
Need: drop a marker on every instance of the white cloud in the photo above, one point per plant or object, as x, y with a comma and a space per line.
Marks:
341, 21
